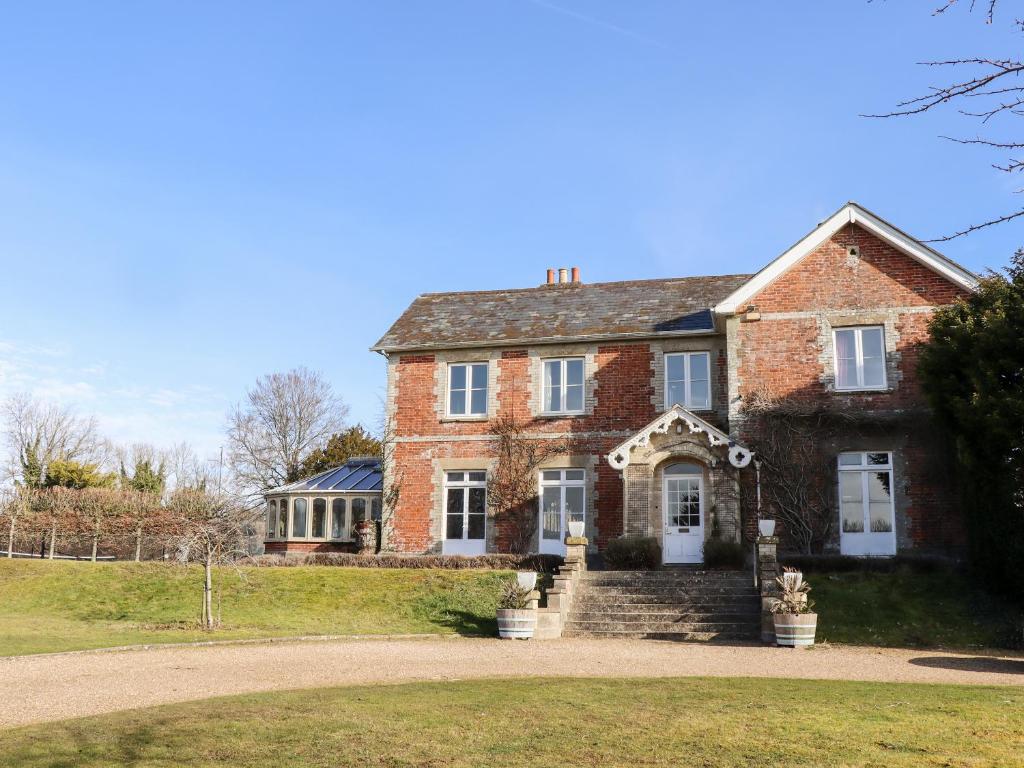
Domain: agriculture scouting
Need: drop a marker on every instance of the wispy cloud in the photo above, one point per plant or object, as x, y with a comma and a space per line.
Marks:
595, 22
128, 411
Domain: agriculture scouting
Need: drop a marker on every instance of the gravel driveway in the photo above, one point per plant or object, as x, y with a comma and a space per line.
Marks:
43, 688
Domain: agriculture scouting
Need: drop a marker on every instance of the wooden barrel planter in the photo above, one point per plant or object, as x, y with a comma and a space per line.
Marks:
516, 624
795, 630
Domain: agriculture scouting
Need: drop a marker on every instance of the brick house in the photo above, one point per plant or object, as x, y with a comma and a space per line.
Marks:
650, 378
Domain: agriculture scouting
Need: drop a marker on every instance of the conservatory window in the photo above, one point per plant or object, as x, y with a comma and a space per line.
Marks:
338, 525
271, 519
299, 519
319, 518
282, 520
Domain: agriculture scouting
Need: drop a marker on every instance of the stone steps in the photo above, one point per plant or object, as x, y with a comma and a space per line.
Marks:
681, 604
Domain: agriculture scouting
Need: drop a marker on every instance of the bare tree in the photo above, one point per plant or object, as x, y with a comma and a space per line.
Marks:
38, 434
797, 479
282, 419
512, 483
213, 528
990, 91
56, 511
98, 511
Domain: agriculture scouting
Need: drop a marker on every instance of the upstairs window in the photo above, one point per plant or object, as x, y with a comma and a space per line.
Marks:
467, 389
563, 385
860, 357
688, 380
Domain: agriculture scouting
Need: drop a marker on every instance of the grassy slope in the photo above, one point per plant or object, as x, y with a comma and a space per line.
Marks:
906, 609
58, 606
723, 722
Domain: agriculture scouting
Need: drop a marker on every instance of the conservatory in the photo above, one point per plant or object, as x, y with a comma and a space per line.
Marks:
319, 513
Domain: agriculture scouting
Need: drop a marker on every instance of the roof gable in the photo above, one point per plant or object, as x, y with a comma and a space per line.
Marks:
851, 213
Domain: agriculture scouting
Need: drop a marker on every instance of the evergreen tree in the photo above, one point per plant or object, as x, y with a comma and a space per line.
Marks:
66, 473
354, 441
972, 370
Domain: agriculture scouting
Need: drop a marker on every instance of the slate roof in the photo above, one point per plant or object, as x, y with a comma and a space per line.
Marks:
361, 474
560, 312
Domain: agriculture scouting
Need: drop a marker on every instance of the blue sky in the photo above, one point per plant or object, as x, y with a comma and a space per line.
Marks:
194, 194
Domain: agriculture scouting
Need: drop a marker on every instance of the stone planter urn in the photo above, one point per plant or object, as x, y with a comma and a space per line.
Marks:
516, 623
527, 580
366, 537
576, 529
795, 630
766, 527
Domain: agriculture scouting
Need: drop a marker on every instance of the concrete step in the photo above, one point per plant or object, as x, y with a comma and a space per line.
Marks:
640, 590
664, 613
680, 637
586, 599
663, 625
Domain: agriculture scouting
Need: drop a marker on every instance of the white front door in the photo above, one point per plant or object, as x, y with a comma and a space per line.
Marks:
562, 498
683, 502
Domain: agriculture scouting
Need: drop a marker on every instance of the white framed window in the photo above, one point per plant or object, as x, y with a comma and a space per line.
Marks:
860, 357
688, 380
319, 518
562, 499
299, 519
339, 523
467, 389
465, 513
563, 385
358, 514
271, 519
282, 520
867, 511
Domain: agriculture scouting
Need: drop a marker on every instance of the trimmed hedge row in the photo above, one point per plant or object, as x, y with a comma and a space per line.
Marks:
847, 564
504, 562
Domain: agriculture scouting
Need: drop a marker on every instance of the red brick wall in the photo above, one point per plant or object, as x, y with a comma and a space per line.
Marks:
304, 547
790, 356
623, 392
881, 277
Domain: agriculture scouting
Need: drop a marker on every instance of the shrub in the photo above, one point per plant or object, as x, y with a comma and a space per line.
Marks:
502, 562
512, 596
633, 553
847, 564
721, 553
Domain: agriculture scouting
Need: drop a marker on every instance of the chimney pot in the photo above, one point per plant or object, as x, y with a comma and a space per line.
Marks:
551, 277
575, 274
563, 275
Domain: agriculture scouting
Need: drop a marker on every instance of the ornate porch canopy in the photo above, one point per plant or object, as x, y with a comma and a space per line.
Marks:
676, 416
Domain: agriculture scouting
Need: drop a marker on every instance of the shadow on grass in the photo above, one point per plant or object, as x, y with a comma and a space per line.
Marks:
973, 664
468, 623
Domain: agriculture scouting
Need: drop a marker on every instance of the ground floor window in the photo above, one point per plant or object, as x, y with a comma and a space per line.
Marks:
282, 520
271, 519
562, 499
867, 511
299, 519
465, 513
339, 525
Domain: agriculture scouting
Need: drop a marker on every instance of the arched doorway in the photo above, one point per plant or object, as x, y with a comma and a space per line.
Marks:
683, 513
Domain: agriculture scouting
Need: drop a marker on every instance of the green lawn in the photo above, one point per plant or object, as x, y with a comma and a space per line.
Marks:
907, 609
545, 722
57, 606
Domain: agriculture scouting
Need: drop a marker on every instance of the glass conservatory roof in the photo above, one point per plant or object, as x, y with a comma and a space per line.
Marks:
358, 474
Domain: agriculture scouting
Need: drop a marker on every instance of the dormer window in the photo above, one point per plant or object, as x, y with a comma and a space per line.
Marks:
467, 389
860, 358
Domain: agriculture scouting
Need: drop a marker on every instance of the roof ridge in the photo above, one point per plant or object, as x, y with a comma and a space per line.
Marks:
546, 286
